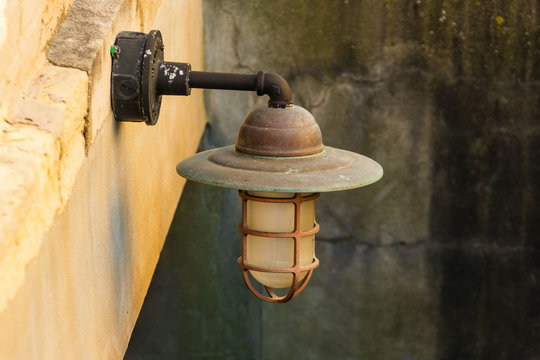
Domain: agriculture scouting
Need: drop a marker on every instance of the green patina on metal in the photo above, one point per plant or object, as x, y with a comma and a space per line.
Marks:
333, 170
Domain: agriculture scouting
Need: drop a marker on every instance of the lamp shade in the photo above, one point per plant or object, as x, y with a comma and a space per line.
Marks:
258, 163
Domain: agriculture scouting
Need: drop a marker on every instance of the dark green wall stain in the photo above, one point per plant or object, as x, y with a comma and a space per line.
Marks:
441, 258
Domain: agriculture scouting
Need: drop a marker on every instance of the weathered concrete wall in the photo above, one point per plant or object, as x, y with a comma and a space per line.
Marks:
441, 258
85, 203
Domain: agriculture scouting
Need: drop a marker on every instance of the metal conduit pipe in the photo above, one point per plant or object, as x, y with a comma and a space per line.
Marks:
175, 78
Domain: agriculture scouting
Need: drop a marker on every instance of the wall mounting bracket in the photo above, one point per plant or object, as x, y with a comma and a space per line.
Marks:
140, 77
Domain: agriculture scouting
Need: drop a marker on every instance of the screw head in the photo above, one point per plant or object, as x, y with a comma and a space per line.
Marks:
115, 51
127, 89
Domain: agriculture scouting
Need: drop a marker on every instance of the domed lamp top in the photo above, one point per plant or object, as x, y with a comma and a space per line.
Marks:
281, 150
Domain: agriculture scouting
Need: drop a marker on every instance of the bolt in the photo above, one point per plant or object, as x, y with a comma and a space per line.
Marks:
115, 51
127, 89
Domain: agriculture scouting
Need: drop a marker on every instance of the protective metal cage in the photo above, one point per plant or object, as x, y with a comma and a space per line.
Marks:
297, 233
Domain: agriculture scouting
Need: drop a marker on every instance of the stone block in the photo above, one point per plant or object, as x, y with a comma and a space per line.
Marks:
27, 27
86, 202
42, 150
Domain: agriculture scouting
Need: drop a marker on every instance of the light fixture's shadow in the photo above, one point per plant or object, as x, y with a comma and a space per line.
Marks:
196, 299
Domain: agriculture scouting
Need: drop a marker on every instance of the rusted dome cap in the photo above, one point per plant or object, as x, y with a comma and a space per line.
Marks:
279, 132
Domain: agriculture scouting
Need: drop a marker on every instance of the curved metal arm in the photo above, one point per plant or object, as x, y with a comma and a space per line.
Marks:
140, 76
177, 79
276, 87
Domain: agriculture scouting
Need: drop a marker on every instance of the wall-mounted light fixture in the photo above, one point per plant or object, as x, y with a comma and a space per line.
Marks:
279, 162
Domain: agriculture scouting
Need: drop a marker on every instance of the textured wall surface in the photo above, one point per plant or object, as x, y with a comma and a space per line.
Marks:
441, 258
85, 202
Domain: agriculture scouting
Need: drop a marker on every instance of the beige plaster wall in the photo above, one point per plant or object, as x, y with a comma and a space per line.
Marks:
85, 203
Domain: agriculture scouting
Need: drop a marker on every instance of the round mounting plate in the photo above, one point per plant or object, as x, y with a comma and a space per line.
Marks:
136, 57
152, 57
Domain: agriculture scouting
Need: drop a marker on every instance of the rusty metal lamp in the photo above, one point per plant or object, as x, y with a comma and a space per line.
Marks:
279, 163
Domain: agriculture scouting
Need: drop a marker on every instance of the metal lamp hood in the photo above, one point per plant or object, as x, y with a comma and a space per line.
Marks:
281, 150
